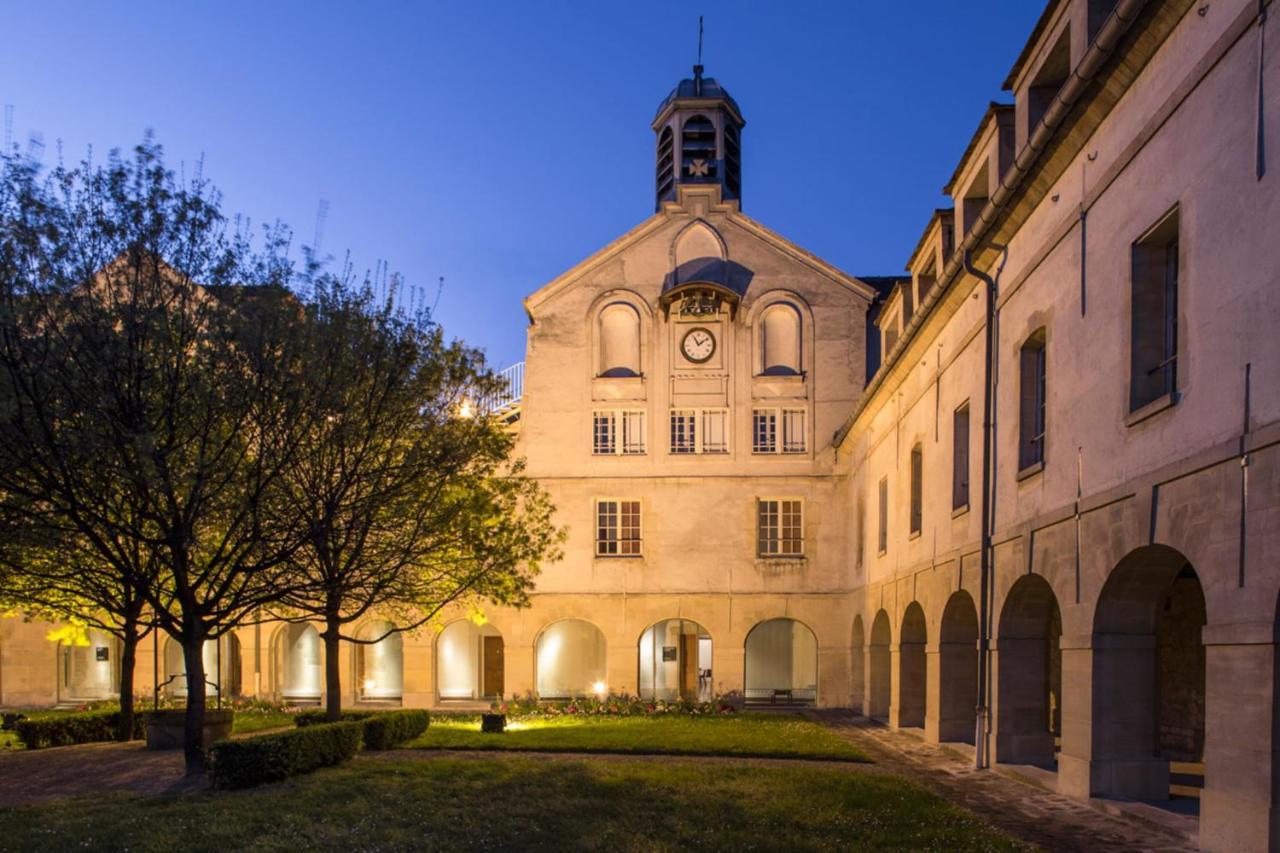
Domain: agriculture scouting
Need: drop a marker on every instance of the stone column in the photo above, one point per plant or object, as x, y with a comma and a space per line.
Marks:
1238, 805
895, 685
1020, 699
418, 690
1108, 735
933, 694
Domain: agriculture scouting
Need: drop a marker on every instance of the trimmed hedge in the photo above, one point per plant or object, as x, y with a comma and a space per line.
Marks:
382, 729
386, 730
272, 758
68, 729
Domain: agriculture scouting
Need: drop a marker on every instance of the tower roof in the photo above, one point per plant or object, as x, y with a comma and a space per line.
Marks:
697, 87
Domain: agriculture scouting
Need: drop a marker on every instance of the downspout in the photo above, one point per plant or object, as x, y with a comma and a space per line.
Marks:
983, 710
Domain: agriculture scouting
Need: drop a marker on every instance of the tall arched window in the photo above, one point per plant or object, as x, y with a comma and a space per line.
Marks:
379, 664
698, 149
780, 340
570, 658
619, 340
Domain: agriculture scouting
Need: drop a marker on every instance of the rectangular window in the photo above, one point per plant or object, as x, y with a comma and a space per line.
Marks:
960, 458
882, 531
764, 431
917, 489
1032, 409
617, 432
617, 528
779, 528
684, 433
715, 431
860, 520
793, 430
1153, 349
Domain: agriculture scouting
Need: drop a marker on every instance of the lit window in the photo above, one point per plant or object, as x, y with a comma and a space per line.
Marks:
617, 432
617, 528
684, 433
715, 431
779, 528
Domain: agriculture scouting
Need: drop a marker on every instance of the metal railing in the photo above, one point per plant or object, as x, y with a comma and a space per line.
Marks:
509, 395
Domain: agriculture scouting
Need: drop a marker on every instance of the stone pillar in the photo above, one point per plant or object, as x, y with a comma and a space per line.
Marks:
418, 690
1238, 805
1108, 718
518, 676
933, 694
1020, 687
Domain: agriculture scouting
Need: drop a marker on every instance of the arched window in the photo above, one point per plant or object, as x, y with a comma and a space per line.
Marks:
666, 163
570, 660
781, 663
780, 340
299, 664
675, 661
379, 665
90, 671
698, 149
469, 661
619, 340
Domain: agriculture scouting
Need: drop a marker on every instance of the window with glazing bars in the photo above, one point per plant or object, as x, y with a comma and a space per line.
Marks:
617, 528
618, 432
793, 430
779, 528
715, 431
684, 432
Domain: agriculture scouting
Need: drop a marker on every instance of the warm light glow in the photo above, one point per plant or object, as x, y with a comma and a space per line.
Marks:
465, 410
599, 688
369, 684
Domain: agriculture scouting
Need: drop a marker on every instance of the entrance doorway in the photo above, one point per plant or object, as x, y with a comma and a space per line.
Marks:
675, 661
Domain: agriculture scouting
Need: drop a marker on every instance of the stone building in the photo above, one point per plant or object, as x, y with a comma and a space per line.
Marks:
778, 478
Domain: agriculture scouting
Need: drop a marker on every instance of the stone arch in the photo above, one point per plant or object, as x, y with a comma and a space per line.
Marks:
698, 253
674, 661
618, 331
1028, 674
1148, 674
90, 670
913, 668
570, 660
958, 669
173, 677
780, 662
378, 661
879, 664
857, 667
470, 661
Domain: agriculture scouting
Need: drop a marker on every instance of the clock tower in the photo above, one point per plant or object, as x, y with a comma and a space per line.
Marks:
699, 137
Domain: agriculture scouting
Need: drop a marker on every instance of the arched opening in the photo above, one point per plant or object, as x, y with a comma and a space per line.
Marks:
173, 678
619, 340
912, 668
780, 340
1029, 675
570, 659
379, 675
698, 150
781, 663
879, 666
90, 672
958, 669
675, 661
857, 667
299, 664
1148, 674
470, 662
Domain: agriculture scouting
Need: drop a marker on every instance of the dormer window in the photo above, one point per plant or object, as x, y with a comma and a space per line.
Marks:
1048, 80
780, 340
698, 149
619, 330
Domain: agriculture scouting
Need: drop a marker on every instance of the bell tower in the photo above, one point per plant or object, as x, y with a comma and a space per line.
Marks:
699, 139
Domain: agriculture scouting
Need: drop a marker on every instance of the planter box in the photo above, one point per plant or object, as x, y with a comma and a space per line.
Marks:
493, 723
165, 728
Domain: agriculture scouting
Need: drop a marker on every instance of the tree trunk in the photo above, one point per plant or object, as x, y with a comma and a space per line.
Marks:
193, 736
128, 663
332, 672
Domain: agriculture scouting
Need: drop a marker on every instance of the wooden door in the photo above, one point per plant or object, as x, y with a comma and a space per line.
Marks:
493, 670
689, 666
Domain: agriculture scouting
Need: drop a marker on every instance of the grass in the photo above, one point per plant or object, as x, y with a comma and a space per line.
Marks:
738, 735
526, 803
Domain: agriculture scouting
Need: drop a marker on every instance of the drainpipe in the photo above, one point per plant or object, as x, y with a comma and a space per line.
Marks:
983, 710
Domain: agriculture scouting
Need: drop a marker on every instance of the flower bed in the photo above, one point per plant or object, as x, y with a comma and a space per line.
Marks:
617, 706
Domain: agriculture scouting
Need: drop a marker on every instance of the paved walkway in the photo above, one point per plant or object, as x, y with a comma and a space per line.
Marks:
1049, 820
93, 768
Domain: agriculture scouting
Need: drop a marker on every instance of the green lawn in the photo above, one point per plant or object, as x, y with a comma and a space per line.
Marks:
526, 803
737, 734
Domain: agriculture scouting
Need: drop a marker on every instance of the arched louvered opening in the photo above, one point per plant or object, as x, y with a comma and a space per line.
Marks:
732, 161
698, 149
619, 340
780, 341
666, 163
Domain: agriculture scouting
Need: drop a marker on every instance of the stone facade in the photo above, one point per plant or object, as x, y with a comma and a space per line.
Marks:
747, 512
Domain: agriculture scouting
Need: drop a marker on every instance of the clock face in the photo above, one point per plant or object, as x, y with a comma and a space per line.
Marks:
698, 345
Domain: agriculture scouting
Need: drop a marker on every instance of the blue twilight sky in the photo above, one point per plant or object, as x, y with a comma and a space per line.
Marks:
499, 144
